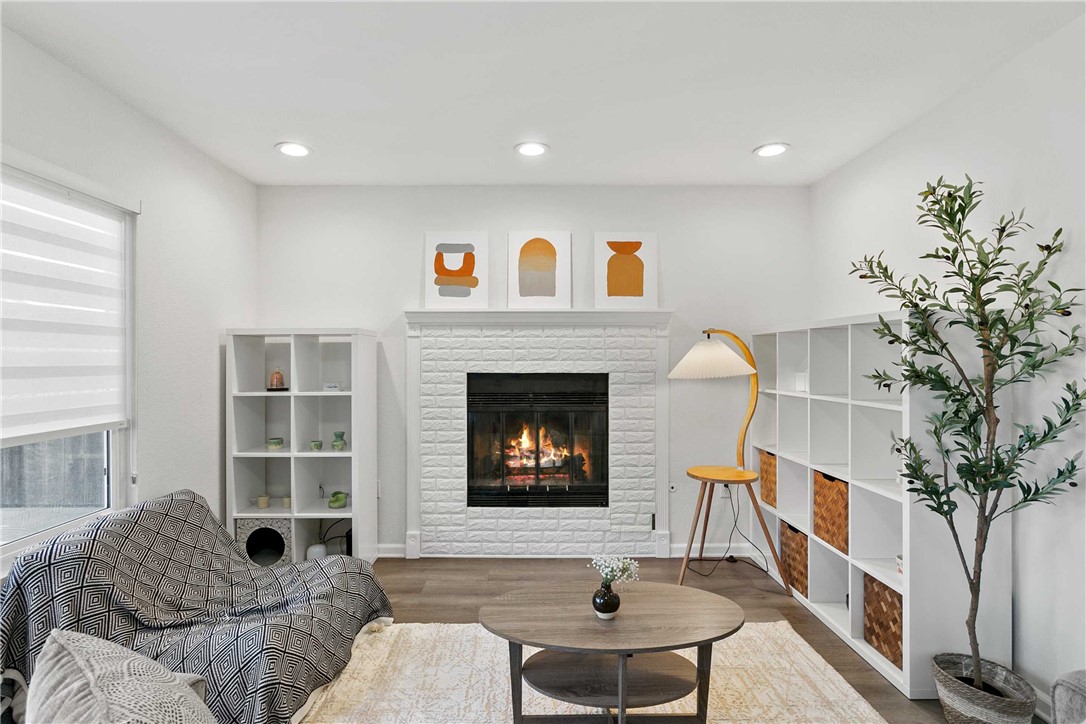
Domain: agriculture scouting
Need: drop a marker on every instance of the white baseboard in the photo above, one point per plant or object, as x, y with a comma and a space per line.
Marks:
391, 550
1044, 705
712, 550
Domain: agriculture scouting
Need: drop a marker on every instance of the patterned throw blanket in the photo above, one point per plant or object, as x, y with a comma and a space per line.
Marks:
164, 578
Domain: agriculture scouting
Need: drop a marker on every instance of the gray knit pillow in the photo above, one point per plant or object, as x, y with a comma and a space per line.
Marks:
80, 678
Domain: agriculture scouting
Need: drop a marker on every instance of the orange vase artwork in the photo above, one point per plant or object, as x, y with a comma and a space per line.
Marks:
625, 270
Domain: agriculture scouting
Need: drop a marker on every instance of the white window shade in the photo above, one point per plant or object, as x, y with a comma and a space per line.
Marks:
62, 308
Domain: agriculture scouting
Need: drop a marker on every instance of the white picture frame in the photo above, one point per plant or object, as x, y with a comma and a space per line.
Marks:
456, 271
617, 284
540, 270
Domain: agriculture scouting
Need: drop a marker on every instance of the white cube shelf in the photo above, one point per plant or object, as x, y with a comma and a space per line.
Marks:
297, 479
818, 411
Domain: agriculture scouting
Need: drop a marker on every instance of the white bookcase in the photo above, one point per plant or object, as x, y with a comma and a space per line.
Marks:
817, 412
308, 358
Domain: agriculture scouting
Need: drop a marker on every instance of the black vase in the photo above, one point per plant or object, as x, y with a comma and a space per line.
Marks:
605, 601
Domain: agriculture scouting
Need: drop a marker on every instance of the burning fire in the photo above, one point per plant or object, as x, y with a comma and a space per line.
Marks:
520, 452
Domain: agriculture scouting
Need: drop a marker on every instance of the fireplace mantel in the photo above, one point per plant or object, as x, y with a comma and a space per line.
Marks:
444, 345
658, 318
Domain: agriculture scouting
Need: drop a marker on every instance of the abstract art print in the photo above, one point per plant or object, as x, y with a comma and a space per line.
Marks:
456, 275
539, 270
625, 270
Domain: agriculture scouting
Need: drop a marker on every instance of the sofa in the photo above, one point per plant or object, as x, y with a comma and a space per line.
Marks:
165, 579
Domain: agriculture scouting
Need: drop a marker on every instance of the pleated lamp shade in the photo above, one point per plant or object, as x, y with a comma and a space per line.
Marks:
710, 358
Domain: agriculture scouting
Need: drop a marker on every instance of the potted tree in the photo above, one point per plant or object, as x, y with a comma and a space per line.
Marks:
968, 338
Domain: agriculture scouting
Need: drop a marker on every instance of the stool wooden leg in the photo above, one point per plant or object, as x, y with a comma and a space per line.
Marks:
705, 523
768, 540
693, 530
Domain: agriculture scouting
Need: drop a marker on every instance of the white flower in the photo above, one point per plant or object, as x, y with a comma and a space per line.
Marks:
614, 568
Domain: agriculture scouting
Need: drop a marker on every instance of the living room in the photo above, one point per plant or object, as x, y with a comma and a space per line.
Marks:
325, 320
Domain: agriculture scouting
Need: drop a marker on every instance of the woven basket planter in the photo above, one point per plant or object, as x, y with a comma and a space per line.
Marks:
883, 626
963, 704
794, 557
767, 462
831, 510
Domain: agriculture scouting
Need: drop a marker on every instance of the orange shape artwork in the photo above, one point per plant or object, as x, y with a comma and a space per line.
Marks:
467, 267
625, 270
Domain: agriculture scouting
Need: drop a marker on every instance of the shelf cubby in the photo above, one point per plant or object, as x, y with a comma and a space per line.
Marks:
829, 436
764, 349
828, 583
320, 360
875, 525
258, 417
872, 453
255, 476
317, 418
792, 426
764, 427
829, 361
793, 493
869, 353
315, 479
256, 357
793, 367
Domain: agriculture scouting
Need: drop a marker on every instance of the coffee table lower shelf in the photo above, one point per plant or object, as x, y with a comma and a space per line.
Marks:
611, 681
592, 679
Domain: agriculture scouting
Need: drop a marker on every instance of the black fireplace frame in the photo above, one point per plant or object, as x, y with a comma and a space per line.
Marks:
532, 394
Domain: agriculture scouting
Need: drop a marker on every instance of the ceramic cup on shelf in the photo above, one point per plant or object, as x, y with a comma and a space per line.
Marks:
316, 445
274, 443
262, 501
286, 502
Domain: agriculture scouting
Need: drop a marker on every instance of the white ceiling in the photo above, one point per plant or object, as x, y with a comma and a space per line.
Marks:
624, 93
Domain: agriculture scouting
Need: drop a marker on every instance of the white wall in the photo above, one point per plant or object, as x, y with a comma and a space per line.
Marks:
1020, 130
195, 254
352, 256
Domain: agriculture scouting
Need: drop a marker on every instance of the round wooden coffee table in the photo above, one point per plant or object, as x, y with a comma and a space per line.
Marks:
628, 661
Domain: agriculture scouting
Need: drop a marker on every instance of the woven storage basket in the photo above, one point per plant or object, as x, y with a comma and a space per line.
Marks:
794, 557
882, 619
768, 474
831, 510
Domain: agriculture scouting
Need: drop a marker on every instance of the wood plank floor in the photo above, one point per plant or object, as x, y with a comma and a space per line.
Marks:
451, 590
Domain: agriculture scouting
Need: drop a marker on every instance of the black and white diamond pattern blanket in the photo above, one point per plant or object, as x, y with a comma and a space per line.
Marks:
165, 578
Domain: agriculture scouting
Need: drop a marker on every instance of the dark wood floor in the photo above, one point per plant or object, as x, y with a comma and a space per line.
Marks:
451, 590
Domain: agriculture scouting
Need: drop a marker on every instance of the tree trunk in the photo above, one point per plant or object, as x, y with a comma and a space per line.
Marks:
974, 595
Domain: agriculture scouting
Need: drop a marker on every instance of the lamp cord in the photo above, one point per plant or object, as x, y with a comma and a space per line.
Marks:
727, 551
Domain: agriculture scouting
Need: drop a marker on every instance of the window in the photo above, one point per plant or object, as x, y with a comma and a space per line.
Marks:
65, 355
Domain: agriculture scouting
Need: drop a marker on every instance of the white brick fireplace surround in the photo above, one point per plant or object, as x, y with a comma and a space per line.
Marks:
444, 346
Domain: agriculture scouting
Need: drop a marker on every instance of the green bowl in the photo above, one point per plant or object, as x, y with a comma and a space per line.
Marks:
274, 443
316, 444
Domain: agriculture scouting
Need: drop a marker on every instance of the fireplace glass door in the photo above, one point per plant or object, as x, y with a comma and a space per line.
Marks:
537, 440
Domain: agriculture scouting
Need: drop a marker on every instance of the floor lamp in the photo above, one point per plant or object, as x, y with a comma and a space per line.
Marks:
711, 358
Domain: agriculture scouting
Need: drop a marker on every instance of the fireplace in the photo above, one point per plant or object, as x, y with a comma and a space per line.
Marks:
537, 440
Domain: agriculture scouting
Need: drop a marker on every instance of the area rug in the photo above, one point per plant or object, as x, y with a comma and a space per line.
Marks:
442, 673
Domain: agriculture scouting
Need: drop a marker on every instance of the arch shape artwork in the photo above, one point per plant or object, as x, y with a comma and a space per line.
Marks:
537, 267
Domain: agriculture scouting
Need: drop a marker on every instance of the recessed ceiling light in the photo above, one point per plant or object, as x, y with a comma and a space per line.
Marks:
289, 148
531, 148
771, 149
